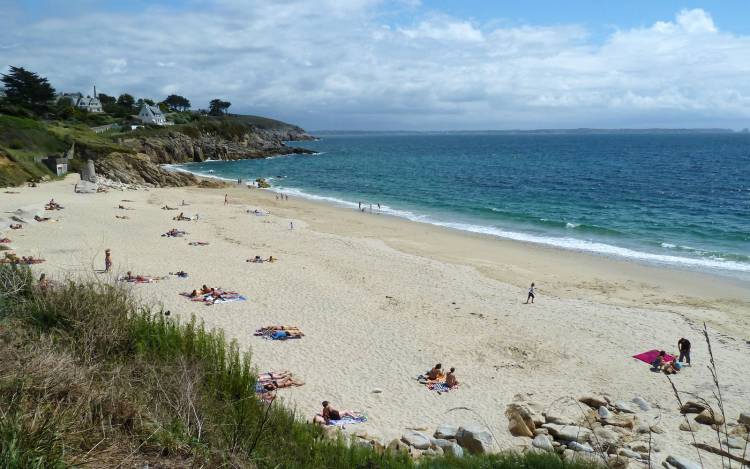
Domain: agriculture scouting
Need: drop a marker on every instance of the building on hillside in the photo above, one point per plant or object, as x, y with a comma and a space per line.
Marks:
73, 97
90, 104
152, 115
56, 164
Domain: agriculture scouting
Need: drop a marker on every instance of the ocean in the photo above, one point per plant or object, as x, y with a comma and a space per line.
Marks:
680, 200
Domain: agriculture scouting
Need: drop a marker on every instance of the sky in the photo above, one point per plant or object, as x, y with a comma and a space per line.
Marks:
403, 64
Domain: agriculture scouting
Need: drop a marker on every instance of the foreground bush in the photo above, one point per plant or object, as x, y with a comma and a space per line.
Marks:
88, 377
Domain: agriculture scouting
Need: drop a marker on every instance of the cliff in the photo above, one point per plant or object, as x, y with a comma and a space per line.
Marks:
230, 139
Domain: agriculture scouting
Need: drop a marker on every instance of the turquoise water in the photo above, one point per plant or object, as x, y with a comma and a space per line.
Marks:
676, 199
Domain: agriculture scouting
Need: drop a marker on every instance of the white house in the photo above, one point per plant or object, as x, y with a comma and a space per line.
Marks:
152, 115
90, 104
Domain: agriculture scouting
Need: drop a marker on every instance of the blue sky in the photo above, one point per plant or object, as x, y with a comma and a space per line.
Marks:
404, 64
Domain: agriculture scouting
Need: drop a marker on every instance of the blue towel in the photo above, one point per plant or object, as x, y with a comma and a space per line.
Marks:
348, 421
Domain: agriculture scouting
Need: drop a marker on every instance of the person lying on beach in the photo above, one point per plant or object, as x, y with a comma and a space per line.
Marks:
180, 273
40, 219
272, 381
122, 207
167, 207
5, 240
256, 260
197, 243
174, 233
450, 378
11, 258
181, 217
129, 277
15, 226
122, 217
329, 413
101, 189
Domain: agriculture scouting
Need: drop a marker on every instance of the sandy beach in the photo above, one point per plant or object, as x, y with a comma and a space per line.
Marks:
381, 300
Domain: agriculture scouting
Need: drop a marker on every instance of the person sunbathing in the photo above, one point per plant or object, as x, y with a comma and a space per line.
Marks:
15, 226
167, 207
271, 259
30, 260
256, 260
283, 382
198, 243
450, 378
122, 217
329, 413
174, 233
38, 218
5, 240
435, 373
181, 217
194, 294
180, 273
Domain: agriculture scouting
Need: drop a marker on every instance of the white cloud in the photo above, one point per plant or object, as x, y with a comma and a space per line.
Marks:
361, 64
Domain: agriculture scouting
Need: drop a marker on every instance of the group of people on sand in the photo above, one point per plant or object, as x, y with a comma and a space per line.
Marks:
670, 365
11, 258
436, 374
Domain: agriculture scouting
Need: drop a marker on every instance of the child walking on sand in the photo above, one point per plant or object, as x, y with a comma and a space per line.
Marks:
531, 294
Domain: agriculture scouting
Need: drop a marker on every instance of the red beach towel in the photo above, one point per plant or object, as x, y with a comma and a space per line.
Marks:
650, 356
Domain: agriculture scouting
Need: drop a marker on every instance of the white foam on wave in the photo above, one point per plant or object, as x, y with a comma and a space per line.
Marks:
571, 225
572, 244
210, 175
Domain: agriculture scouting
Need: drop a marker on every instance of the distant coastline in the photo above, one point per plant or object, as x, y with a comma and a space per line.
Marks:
579, 131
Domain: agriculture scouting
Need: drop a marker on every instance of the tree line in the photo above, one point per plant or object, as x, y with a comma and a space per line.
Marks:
34, 93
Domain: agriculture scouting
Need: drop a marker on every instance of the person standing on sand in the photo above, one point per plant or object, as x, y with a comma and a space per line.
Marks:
226, 199
107, 260
359, 204
532, 294
291, 225
683, 345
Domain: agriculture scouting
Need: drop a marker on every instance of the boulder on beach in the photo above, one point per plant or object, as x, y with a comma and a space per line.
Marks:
593, 401
682, 463
520, 422
569, 432
709, 417
744, 418
543, 442
475, 438
416, 439
446, 431
693, 407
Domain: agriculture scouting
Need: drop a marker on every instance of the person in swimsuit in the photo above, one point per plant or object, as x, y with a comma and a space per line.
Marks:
531, 294
436, 372
450, 379
683, 345
329, 413
659, 361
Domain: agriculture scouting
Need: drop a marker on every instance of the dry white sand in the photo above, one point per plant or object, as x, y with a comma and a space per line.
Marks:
381, 300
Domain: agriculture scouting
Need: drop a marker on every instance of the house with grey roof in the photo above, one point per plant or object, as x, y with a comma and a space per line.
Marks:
90, 104
152, 115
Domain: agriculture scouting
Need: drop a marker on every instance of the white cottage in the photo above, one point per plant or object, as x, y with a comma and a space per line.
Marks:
90, 104
152, 115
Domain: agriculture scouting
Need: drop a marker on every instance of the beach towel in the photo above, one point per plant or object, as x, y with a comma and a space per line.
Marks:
650, 356
347, 421
140, 279
279, 332
224, 297
440, 387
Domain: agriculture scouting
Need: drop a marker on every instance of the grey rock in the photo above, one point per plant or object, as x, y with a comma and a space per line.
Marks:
606, 437
744, 418
567, 454
568, 432
642, 403
437, 451
397, 446
629, 453
474, 438
657, 429
86, 187
692, 407
639, 446
686, 427
643, 427
575, 446
623, 406
440, 442
707, 417
454, 450
541, 431
446, 431
520, 421
543, 442
682, 463
416, 439
558, 419
604, 413
735, 443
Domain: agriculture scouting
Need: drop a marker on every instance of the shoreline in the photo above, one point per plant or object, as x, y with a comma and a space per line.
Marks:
381, 299
731, 271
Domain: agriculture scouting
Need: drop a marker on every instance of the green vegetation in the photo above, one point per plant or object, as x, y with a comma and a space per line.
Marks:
91, 378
